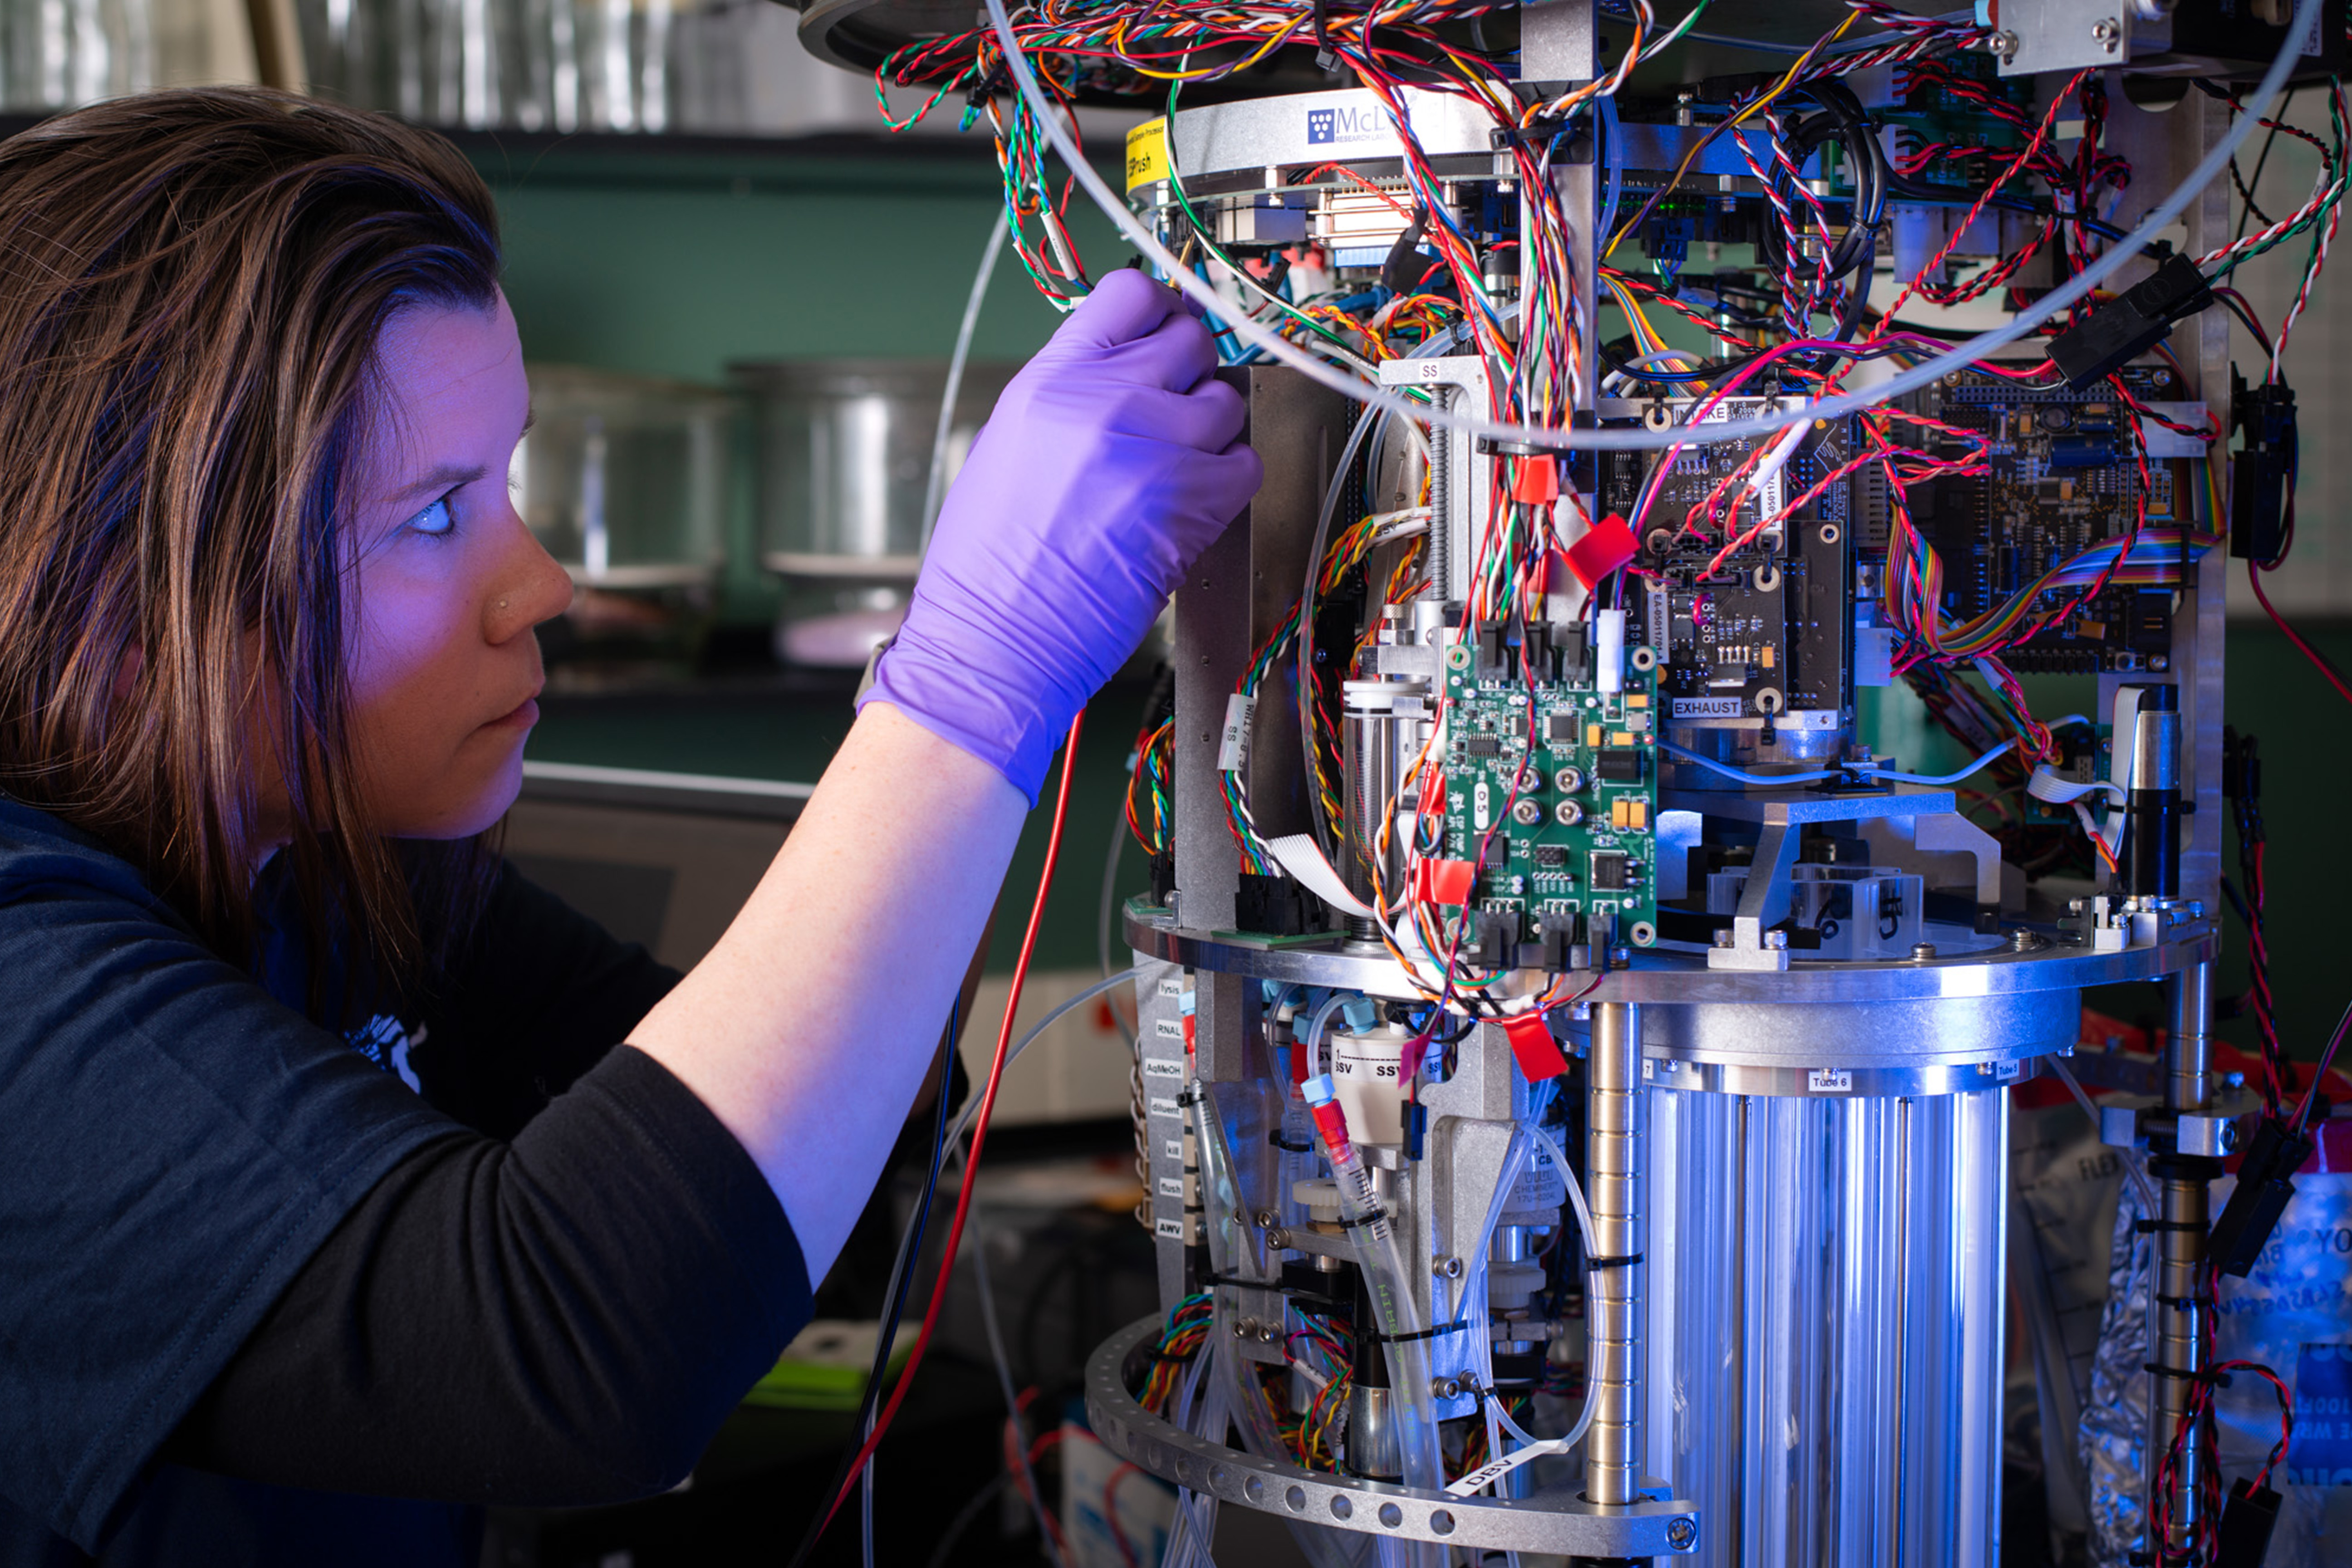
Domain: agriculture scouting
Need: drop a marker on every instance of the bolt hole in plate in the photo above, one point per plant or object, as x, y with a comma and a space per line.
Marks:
1296, 1498
1340, 1507
1645, 933
1645, 658
1442, 1523
1391, 1515
1218, 1478
1254, 1488
1458, 657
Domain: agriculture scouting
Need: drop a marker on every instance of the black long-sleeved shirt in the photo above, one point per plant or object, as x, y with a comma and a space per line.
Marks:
275, 1293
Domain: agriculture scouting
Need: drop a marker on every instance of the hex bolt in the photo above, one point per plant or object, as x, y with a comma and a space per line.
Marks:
1527, 813
1682, 1533
1922, 951
1278, 1238
1447, 1388
1268, 1219
2003, 45
2106, 32
1265, 1333
1245, 1328
1451, 1267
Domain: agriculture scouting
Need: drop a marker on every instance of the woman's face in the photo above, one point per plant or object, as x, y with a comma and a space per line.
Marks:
445, 670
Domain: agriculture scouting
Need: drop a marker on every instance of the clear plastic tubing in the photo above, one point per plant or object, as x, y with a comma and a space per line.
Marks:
1959, 357
1381, 1257
1471, 1304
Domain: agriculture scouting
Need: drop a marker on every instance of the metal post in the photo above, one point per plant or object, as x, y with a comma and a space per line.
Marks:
1613, 1158
2180, 1297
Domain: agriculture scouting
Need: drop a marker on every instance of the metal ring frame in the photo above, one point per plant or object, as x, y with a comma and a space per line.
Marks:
1554, 1521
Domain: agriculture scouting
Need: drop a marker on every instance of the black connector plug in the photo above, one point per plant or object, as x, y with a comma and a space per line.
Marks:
2263, 1191
2264, 415
2247, 1520
1274, 906
2131, 324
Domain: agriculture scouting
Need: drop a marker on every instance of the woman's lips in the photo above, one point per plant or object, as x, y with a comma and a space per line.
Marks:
523, 717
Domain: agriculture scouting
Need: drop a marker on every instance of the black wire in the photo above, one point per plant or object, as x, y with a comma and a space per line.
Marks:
902, 1276
963, 1519
2228, 297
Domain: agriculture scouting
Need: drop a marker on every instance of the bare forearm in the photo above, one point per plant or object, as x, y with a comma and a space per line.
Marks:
808, 1029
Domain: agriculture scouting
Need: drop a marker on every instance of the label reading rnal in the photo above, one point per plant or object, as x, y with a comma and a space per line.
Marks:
1168, 1028
1829, 1080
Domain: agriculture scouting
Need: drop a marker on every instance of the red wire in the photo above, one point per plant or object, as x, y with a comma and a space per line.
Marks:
2254, 580
979, 1129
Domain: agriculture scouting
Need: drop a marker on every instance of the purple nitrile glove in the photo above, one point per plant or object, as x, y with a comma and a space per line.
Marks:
1112, 460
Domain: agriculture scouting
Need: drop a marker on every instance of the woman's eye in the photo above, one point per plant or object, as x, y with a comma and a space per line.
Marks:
434, 519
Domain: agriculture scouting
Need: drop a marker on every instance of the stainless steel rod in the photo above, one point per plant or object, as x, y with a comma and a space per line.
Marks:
2176, 1333
1613, 1159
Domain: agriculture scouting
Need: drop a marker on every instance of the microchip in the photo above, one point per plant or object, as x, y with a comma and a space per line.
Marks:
1619, 764
1560, 729
1553, 855
1484, 746
1608, 872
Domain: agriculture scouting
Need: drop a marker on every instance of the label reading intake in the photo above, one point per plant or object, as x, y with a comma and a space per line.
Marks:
1829, 1080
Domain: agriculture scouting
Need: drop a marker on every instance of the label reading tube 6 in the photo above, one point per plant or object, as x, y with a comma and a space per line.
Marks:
1829, 1080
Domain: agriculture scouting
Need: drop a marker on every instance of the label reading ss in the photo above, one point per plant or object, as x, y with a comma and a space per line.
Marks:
1829, 1080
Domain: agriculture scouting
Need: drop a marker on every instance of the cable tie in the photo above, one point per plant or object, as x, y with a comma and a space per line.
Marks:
2210, 1378
1456, 1326
2148, 1226
1625, 1262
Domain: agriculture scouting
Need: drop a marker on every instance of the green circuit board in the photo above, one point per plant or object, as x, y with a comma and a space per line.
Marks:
1591, 792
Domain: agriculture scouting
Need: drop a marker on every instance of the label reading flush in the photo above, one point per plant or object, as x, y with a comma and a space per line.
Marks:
1173, 1187
1829, 1080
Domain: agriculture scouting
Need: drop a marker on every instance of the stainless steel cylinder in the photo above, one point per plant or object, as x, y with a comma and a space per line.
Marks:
1376, 747
1823, 1343
1372, 1450
1612, 1154
2180, 1301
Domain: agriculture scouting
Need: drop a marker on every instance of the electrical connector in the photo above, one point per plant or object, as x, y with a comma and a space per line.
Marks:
2264, 415
2131, 324
2247, 1520
1274, 906
2262, 1195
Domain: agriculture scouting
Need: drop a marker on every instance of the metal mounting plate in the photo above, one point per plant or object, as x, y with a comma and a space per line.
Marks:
1552, 1521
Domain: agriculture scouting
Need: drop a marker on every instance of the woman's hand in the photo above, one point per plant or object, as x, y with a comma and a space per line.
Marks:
1112, 460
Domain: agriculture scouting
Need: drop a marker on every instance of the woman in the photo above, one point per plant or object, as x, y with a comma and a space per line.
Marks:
333, 1200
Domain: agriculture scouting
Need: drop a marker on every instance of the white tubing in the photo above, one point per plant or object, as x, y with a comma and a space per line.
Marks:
935, 487
1643, 439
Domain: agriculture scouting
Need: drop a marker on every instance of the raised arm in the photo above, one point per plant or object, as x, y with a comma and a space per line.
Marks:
1113, 459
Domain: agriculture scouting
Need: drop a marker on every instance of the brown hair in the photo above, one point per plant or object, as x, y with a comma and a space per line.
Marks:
191, 286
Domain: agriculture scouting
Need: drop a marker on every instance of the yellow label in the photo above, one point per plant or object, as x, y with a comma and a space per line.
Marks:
1147, 153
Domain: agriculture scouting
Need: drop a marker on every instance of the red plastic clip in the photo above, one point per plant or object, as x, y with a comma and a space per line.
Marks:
1537, 1054
1606, 545
1536, 481
1444, 881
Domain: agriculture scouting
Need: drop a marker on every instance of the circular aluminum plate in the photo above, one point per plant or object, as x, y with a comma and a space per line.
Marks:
1555, 1521
1671, 979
